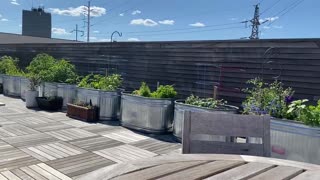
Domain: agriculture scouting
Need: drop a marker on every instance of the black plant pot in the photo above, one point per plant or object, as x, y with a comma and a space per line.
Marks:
1, 89
50, 104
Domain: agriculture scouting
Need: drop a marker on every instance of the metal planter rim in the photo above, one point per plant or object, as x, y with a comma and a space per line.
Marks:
229, 107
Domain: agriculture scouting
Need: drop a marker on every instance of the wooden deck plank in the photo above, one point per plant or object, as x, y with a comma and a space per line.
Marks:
9, 175
22, 175
70, 134
245, 171
2, 177
30, 140
125, 136
278, 173
161, 170
54, 172
308, 175
203, 171
32, 173
43, 172
35, 155
124, 153
18, 163
96, 143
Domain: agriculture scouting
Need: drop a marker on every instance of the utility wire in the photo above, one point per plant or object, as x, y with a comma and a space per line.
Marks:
266, 10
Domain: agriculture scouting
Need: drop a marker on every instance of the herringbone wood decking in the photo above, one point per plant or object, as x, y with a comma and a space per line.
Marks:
45, 145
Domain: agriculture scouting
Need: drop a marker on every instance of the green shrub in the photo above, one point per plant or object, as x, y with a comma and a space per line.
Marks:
51, 70
107, 83
166, 91
63, 72
205, 102
9, 66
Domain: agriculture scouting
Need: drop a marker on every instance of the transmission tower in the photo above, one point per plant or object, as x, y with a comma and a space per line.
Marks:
86, 19
77, 30
255, 23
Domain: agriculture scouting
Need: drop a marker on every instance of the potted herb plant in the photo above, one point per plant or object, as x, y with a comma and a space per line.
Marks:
32, 93
103, 92
194, 103
148, 111
83, 111
294, 124
51, 103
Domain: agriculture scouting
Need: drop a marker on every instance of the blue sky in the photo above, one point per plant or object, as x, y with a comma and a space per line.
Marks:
159, 20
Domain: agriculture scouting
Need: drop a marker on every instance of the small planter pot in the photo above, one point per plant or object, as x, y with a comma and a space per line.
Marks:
24, 87
12, 86
51, 104
107, 101
181, 107
31, 101
82, 113
295, 141
146, 114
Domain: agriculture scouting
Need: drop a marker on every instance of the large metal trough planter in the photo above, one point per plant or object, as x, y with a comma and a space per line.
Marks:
180, 107
146, 114
107, 101
12, 86
68, 92
295, 141
50, 89
24, 87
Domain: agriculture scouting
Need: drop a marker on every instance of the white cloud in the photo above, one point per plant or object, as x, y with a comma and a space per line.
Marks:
4, 19
122, 14
167, 22
269, 19
278, 27
78, 11
197, 24
60, 31
144, 22
136, 12
133, 39
233, 19
96, 32
266, 27
93, 38
14, 2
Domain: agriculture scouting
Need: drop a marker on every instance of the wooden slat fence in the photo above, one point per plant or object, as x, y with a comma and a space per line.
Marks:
193, 66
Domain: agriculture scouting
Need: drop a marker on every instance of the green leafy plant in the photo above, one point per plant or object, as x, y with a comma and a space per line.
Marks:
9, 66
163, 91
267, 98
107, 83
310, 115
205, 102
41, 65
51, 70
144, 90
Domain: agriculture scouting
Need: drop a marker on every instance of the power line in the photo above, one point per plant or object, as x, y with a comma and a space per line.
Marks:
266, 10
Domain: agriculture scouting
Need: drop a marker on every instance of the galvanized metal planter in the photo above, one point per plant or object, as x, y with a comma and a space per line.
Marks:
1, 78
107, 101
68, 92
12, 86
146, 114
50, 89
295, 141
180, 107
24, 83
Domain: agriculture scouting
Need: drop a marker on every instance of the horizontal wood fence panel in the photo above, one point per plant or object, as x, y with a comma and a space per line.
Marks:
193, 66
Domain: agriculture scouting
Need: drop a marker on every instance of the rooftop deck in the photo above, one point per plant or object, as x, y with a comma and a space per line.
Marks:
43, 145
